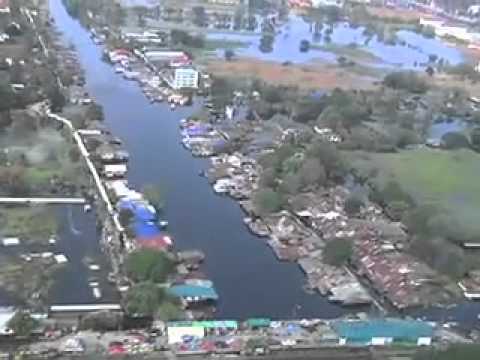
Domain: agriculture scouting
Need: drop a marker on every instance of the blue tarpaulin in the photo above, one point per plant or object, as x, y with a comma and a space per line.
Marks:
141, 210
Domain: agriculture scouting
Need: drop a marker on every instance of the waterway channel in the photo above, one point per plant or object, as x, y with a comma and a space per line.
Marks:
248, 277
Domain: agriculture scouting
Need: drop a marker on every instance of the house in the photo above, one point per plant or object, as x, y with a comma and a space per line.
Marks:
185, 78
383, 332
6, 313
192, 293
226, 2
473, 10
320, 3
115, 170
4, 6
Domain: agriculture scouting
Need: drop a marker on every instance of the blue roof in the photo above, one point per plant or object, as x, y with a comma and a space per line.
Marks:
192, 291
141, 210
400, 330
146, 230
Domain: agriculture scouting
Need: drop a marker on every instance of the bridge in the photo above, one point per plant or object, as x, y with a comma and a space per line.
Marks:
78, 308
42, 200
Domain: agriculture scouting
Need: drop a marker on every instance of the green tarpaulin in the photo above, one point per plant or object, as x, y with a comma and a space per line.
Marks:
258, 322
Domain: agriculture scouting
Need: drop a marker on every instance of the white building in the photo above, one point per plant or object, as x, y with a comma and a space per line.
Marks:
320, 3
185, 78
4, 6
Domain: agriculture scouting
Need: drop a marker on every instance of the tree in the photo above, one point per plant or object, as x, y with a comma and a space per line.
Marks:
291, 184
125, 216
143, 299
199, 16
238, 19
353, 204
338, 251
149, 265
266, 42
304, 45
57, 99
405, 80
329, 157
94, 112
312, 173
268, 201
229, 54
455, 140
7, 96
22, 323
102, 321
141, 12
475, 137
169, 311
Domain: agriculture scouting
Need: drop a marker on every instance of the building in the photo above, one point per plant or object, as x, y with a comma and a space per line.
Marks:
4, 6
320, 3
226, 2
185, 78
383, 332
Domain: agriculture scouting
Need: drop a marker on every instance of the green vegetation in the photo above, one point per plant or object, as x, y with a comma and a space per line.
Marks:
460, 351
352, 51
406, 80
435, 193
214, 44
143, 299
22, 323
268, 201
149, 265
338, 252
31, 224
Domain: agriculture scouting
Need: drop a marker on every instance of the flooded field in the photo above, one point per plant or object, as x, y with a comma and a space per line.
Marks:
411, 51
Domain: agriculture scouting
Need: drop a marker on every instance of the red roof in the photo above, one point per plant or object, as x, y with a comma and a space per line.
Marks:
160, 242
4, 4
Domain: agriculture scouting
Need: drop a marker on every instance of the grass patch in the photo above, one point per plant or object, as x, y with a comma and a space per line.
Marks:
356, 53
31, 223
215, 44
448, 179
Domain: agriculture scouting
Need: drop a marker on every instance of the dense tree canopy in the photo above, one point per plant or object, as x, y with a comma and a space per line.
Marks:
337, 252
149, 265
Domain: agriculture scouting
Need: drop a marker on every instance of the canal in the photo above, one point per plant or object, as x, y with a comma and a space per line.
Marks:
248, 278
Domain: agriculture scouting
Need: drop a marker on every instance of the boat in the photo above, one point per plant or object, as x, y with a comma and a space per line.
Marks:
94, 267
163, 223
119, 70
111, 278
97, 294
87, 208
199, 282
52, 240
93, 284
172, 106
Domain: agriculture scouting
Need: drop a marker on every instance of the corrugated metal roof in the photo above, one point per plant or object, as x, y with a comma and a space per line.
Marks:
191, 291
364, 331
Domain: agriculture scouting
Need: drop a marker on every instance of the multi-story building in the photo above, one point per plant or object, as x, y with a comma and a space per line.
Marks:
185, 78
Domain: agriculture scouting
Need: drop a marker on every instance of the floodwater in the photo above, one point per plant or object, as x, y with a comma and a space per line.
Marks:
439, 129
411, 55
249, 279
78, 240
